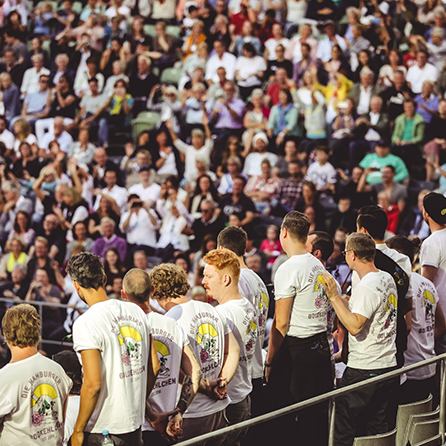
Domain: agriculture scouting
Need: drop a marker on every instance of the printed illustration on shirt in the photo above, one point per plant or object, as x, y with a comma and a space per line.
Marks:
428, 303
207, 338
263, 306
391, 309
43, 402
163, 356
130, 342
321, 298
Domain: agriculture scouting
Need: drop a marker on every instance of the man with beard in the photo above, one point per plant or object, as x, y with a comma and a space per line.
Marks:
113, 341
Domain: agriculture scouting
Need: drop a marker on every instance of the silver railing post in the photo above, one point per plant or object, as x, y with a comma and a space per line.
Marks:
442, 398
332, 421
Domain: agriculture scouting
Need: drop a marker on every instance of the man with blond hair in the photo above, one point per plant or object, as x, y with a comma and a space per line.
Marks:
370, 317
221, 280
33, 389
213, 343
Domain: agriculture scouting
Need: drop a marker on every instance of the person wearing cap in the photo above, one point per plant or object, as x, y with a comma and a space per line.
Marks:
254, 160
433, 250
33, 389
200, 144
69, 362
382, 157
331, 38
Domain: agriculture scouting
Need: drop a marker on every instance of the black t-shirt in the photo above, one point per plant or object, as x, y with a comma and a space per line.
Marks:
395, 100
243, 205
274, 65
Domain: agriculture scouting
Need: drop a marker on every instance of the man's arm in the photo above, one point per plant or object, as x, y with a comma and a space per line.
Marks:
430, 272
91, 363
153, 367
192, 378
231, 358
279, 330
353, 322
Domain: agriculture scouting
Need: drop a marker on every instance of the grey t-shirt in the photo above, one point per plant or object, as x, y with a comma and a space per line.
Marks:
399, 192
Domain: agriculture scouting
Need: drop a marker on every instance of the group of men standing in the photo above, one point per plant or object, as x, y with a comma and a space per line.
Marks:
151, 379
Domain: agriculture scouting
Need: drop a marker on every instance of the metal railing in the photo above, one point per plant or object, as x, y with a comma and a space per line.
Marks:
40, 306
331, 397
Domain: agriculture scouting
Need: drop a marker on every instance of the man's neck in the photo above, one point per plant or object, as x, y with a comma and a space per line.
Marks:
145, 306
296, 249
174, 302
241, 260
93, 297
18, 354
231, 293
435, 226
362, 269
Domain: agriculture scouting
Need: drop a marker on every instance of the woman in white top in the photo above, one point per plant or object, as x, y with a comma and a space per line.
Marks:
296, 10
277, 39
249, 70
387, 71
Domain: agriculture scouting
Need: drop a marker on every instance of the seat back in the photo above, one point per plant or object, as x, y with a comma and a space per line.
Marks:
434, 441
387, 439
404, 413
146, 120
424, 430
171, 76
417, 419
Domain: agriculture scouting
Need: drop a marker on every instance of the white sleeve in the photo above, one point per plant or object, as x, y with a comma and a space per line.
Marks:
430, 254
181, 146
80, 214
86, 336
284, 284
365, 301
6, 407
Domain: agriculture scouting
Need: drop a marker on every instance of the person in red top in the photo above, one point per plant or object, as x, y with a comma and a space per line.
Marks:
282, 81
392, 211
246, 13
271, 245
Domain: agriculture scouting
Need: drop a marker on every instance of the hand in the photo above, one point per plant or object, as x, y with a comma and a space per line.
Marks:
175, 426
55, 265
129, 149
72, 166
168, 123
35, 284
217, 389
77, 439
60, 156
159, 421
58, 211
330, 286
279, 140
9, 294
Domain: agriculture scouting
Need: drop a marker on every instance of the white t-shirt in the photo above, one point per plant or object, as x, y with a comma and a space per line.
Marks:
433, 253
32, 396
321, 176
401, 259
253, 162
140, 230
7, 138
241, 317
375, 297
300, 278
190, 152
271, 45
206, 331
151, 193
169, 339
248, 67
421, 342
120, 331
251, 287
73, 406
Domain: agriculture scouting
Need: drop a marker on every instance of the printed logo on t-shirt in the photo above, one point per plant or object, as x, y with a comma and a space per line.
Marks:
263, 306
391, 309
251, 331
321, 298
207, 339
428, 304
163, 356
43, 402
130, 342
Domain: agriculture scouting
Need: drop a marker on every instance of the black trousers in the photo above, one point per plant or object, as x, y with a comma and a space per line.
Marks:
364, 411
418, 390
153, 438
301, 371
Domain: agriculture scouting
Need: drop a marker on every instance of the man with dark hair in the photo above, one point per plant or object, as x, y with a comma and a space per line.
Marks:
433, 250
370, 318
238, 203
175, 355
299, 336
320, 244
396, 191
33, 389
115, 346
252, 288
372, 220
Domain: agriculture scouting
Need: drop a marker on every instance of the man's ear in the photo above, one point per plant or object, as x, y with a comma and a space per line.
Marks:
76, 286
220, 247
123, 295
105, 280
317, 253
363, 230
227, 280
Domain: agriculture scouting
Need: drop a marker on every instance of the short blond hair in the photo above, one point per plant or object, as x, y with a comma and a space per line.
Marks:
362, 245
224, 259
21, 326
169, 281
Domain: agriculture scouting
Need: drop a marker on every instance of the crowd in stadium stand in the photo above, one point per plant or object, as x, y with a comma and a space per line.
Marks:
138, 130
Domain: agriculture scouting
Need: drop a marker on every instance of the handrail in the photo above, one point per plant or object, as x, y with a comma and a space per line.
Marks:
331, 397
41, 304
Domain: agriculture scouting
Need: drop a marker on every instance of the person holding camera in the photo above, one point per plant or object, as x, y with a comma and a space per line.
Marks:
140, 225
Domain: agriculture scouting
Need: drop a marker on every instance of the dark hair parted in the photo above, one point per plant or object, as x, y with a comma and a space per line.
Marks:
87, 270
